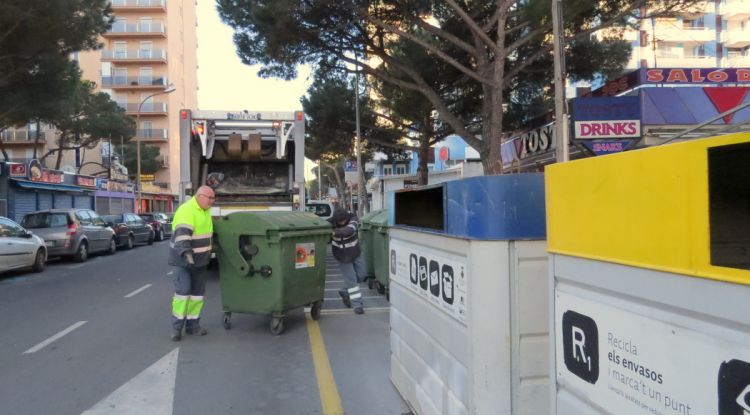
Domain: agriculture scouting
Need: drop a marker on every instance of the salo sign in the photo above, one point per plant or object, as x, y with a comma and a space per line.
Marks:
607, 129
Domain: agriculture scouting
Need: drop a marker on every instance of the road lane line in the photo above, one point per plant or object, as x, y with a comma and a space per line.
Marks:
368, 310
138, 290
363, 297
330, 401
57, 336
333, 281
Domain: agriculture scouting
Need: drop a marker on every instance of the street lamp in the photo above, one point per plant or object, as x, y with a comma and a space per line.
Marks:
170, 88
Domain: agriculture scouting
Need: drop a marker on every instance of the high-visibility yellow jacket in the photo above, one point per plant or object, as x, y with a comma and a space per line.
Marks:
192, 230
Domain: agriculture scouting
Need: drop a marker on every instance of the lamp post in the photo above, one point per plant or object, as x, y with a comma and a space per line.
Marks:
169, 89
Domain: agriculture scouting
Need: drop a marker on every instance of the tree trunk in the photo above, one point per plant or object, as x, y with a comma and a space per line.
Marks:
59, 158
2, 148
424, 151
36, 139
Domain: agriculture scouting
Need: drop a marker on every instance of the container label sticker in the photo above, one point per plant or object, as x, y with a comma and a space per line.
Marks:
305, 256
629, 363
439, 278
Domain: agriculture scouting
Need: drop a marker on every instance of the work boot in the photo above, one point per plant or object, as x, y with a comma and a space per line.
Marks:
345, 298
196, 332
176, 335
359, 310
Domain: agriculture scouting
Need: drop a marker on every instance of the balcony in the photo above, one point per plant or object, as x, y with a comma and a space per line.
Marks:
14, 136
736, 61
139, 5
736, 38
736, 9
134, 82
700, 9
688, 61
149, 108
140, 30
672, 32
153, 134
146, 55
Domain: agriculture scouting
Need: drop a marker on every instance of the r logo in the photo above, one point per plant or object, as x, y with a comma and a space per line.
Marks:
581, 345
734, 388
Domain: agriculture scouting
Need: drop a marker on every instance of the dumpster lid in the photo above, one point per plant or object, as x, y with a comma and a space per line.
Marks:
380, 218
258, 223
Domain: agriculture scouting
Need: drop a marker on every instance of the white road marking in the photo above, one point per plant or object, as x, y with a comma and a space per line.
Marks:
363, 297
149, 392
333, 281
57, 336
138, 290
330, 311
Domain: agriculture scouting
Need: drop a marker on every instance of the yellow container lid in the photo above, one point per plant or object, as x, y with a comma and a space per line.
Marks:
681, 208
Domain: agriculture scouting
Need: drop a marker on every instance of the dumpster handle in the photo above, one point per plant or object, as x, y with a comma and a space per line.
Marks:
237, 260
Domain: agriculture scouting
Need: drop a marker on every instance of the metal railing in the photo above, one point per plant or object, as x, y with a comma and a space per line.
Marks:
16, 136
152, 133
145, 54
149, 107
139, 28
139, 3
133, 81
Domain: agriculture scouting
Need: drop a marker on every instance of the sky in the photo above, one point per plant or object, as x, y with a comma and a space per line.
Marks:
225, 83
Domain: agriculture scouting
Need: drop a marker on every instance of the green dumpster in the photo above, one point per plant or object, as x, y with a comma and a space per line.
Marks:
270, 263
365, 239
380, 252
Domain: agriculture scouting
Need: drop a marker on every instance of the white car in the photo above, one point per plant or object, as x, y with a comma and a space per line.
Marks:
323, 208
20, 248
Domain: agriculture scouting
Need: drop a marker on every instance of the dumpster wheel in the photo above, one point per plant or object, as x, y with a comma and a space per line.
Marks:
315, 310
227, 322
370, 283
277, 325
381, 288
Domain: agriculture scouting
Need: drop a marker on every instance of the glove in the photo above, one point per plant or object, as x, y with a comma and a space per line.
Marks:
189, 258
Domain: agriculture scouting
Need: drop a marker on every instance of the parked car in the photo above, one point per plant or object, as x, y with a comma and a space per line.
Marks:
161, 224
130, 229
20, 248
74, 233
322, 208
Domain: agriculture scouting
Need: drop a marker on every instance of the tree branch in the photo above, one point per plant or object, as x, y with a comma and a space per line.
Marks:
474, 27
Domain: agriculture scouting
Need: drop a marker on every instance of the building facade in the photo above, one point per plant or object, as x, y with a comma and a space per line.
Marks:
150, 47
715, 34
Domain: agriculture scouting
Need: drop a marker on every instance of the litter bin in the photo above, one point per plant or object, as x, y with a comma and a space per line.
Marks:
380, 252
365, 238
469, 317
270, 263
650, 280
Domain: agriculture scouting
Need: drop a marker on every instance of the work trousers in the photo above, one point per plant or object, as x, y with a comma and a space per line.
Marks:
187, 303
354, 273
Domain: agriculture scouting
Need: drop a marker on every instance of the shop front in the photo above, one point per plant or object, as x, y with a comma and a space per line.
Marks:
114, 197
156, 199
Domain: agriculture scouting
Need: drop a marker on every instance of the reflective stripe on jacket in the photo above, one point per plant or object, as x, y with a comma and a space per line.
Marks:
192, 230
345, 241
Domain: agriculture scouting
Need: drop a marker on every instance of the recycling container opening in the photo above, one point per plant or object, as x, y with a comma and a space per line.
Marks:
729, 205
421, 208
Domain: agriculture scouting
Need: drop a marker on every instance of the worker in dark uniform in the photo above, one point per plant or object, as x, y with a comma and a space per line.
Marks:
189, 253
346, 250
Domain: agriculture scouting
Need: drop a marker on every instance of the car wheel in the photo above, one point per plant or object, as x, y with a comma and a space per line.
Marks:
112, 247
160, 235
82, 254
39, 261
151, 238
130, 243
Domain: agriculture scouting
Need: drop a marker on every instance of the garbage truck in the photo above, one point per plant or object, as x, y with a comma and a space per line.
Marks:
252, 160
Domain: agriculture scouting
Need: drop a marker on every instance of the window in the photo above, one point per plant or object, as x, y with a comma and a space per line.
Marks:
146, 49
146, 76
83, 217
121, 76
121, 50
387, 170
96, 219
10, 229
400, 169
45, 220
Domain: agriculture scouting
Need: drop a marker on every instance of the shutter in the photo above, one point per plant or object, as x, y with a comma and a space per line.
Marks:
115, 206
25, 202
45, 200
102, 205
83, 202
63, 201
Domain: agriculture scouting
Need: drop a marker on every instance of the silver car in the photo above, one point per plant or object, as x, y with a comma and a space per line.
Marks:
19, 248
73, 233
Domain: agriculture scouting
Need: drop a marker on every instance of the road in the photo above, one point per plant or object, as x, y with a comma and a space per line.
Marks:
93, 338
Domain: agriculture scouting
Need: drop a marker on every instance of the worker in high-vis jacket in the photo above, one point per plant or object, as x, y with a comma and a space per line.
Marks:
189, 254
346, 250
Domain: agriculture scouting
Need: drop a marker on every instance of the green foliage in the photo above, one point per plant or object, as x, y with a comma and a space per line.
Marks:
36, 40
150, 158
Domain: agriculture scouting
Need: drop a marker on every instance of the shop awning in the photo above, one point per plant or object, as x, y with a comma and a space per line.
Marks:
27, 184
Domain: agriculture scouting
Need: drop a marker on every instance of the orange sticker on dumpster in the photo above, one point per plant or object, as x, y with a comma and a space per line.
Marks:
305, 256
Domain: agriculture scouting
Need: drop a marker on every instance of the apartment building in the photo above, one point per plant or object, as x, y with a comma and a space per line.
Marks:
150, 47
714, 34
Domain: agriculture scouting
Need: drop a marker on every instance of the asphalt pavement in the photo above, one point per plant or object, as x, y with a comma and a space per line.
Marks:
93, 338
